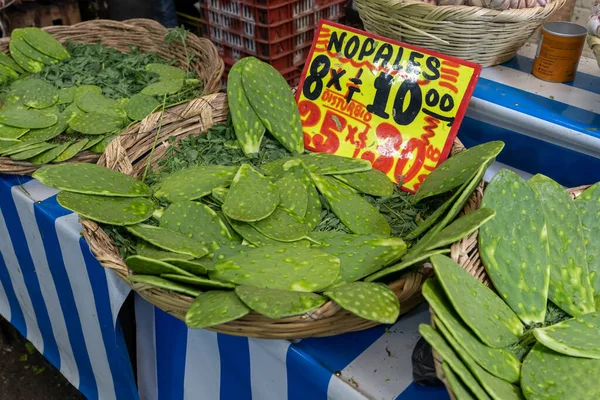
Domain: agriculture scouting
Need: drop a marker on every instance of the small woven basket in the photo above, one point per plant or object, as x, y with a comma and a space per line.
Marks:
466, 254
130, 152
594, 43
482, 35
148, 36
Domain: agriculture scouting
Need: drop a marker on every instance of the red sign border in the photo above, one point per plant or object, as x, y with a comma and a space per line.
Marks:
462, 109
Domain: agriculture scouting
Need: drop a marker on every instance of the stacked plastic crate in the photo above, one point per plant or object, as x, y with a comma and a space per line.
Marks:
279, 32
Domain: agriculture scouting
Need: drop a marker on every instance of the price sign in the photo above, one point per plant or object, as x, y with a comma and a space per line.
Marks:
396, 105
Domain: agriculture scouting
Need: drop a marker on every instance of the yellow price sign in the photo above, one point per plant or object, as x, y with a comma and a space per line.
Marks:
396, 105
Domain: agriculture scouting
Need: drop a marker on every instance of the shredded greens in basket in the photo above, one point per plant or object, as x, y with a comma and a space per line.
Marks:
218, 146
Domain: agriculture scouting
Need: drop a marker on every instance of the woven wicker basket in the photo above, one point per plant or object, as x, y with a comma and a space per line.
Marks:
129, 153
485, 36
148, 36
594, 43
466, 254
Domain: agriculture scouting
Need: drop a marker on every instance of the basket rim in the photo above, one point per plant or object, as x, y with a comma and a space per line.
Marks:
212, 61
477, 10
471, 243
327, 320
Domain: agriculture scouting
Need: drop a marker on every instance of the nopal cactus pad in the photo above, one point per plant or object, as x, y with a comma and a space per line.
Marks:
91, 179
168, 240
570, 288
577, 337
351, 208
50, 132
93, 123
71, 151
272, 100
162, 88
149, 251
198, 281
29, 51
285, 267
497, 388
193, 183
251, 196
293, 193
140, 106
499, 362
165, 72
459, 389
45, 43
404, 264
148, 266
27, 154
10, 132
35, 93
472, 300
250, 234
282, 225
164, 284
24, 62
371, 301
23, 118
439, 344
118, 211
588, 205
461, 228
196, 221
373, 182
458, 169
51, 154
276, 303
360, 255
547, 374
514, 246
330, 164
214, 308
248, 128
93, 102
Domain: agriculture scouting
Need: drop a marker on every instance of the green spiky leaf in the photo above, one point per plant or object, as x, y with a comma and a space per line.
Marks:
11, 133
165, 72
360, 255
577, 337
451, 358
169, 240
27, 154
66, 95
71, 151
588, 205
282, 225
51, 154
472, 300
461, 392
570, 287
23, 118
50, 132
499, 362
214, 308
198, 222
10, 63
109, 210
462, 227
373, 182
95, 123
148, 266
162, 88
248, 128
351, 208
198, 281
24, 62
286, 267
35, 93
371, 301
26, 49
92, 102
330, 164
45, 43
91, 179
276, 303
164, 284
252, 197
140, 106
403, 265
194, 183
547, 374
458, 169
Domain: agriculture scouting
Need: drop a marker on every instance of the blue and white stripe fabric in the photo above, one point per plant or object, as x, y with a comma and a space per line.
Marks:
56, 294
548, 128
179, 363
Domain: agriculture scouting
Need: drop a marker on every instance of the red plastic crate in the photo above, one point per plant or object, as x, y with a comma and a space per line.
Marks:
279, 32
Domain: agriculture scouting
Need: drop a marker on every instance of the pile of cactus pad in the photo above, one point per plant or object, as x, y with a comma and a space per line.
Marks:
241, 238
41, 124
536, 335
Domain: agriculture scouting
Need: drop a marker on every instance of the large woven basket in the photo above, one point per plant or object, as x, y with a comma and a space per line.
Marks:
148, 36
594, 43
129, 153
485, 36
466, 254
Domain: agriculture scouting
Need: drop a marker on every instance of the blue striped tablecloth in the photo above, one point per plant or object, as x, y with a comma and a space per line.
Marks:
56, 294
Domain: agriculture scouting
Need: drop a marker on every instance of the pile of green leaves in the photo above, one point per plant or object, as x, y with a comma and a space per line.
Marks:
120, 75
218, 146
